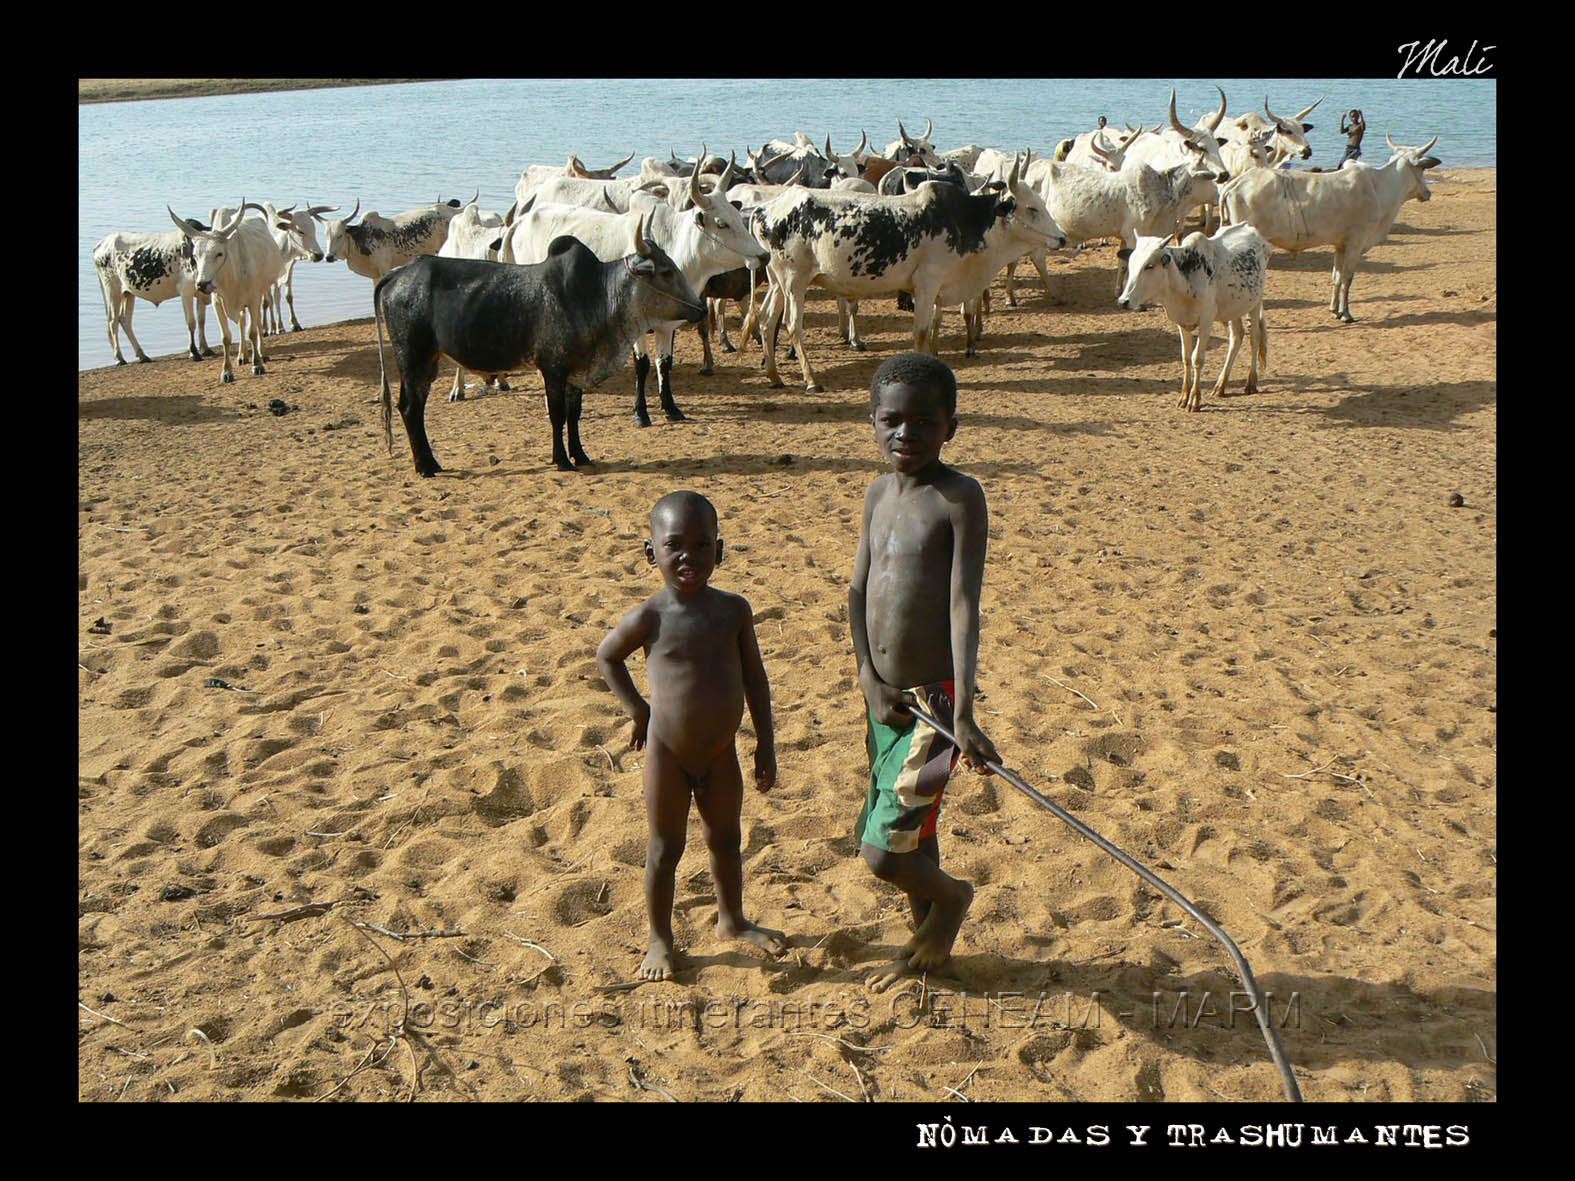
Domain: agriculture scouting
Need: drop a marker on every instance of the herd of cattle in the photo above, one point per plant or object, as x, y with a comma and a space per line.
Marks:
583, 266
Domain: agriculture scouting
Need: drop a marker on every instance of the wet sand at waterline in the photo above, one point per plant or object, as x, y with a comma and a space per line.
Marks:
1254, 646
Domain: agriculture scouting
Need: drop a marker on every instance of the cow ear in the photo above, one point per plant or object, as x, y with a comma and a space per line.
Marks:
1164, 258
495, 244
1006, 206
699, 217
1221, 142
1124, 253
283, 225
1306, 127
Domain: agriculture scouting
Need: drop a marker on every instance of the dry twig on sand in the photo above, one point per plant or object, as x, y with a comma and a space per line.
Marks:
398, 1033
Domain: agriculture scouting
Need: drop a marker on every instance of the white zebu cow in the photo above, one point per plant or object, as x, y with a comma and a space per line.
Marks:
1181, 145
703, 241
379, 244
237, 262
1104, 147
154, 267
302, 244
1351, 209
1287, 138
610, 196
1089, 203
940, 243
1202, 281
909, 146
476, 233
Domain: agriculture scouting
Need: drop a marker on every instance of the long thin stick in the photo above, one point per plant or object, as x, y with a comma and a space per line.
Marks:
1260, 1007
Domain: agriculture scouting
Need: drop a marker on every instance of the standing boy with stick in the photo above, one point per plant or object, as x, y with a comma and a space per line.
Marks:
914, 609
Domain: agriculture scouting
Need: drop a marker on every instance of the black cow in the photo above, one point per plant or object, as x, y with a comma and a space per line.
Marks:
573, 317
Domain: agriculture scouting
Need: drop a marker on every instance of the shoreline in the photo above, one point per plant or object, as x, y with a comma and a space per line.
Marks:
111, 90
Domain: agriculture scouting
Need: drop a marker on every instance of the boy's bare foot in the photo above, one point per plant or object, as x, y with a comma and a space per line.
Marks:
773, 943
658, 962
932, 942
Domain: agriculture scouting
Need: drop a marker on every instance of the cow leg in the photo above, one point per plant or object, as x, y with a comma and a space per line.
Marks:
720, 308
127, 303
703, 330
855, 341
642, 370
501, 381
926, 320
1348, 261
256, 338
186, 300
224, 331
457, 394
1260, 349
795, 306
1233, 344
970, 328
558, 412
415, 383
289, 294
771, 315
1011, 284
664, 381
1186, 364
1334, 282
1200, 345
1038, 259
576, 452
202, 326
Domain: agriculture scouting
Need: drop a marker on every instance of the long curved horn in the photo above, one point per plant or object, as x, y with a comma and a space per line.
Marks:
902, 131
830, 155
1175, 122
317, 211
725, 181
673, 157
508, 218
1285, 128
475, 198
1301, 116
1093, 146
695, 194
929, 128
186, 227
1422, 151
864, 142
354, 211
641, 246
1393, 147
525, 208
799, 175
1011, 181
621, 163
1220, 114
235, 220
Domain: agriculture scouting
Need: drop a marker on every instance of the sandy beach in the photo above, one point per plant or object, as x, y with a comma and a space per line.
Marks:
104, 90
1254, 646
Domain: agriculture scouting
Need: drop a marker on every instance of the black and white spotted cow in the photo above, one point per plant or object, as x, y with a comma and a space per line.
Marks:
379, 244
1202, 281
154, 267
940, 244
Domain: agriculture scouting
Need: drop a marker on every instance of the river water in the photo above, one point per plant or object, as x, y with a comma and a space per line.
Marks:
395, 147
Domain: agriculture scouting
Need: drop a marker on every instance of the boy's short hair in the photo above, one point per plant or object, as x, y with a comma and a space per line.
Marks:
684, 502
916, 369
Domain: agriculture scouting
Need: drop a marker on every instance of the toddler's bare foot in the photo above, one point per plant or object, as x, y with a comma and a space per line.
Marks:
932, 942
658, 962
773, 943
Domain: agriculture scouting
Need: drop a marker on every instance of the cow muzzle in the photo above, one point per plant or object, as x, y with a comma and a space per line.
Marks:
318, 256
206, 287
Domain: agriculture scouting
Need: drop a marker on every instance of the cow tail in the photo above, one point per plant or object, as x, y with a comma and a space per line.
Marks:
382, 369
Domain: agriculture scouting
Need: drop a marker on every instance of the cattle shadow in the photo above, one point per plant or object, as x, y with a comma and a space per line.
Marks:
1435, 406
1401, 227
171, 409
1283, 304
1310, 260
1465, 319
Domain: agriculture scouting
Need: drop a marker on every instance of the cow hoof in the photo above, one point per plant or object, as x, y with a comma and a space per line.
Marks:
792, 353
776, 383
676, 415
815, 389
120, 360
504, 385
208, 352
142, 360
456, 397
565, 466
584, 461
227, 378
258, 370
1011, 301
727, 348
707, 371
295, 327
858, 346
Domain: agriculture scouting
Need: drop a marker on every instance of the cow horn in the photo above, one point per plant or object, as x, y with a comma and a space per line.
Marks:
830, 155
902, 131
1214, 123
354, 211
864, 142
475, 198
1011, 181
929, 127
1302, 115
525, 208
1422, 151
695, 194
1394, 147
1284, 127
186, 227
235, 220
508, 218
289, 210
725, 182
1093, 146
673, 157
799, 175
317, 211
641, 246
1186, 132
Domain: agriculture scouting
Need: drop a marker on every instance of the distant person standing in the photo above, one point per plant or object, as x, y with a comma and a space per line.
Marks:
1353, 127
